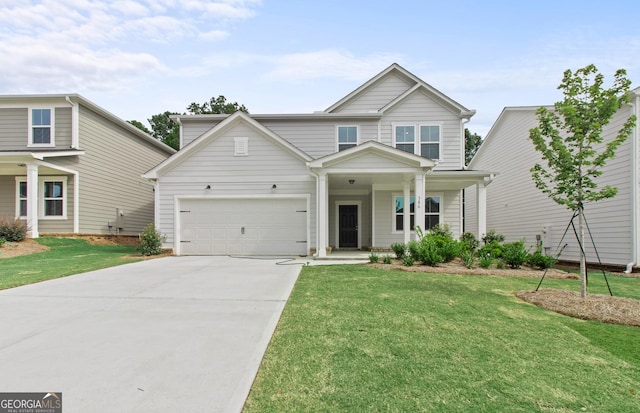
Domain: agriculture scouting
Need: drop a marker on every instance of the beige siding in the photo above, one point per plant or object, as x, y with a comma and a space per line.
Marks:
518, 210
378, 94
420, 109
228, 175
7, 196
63, 128
14, 128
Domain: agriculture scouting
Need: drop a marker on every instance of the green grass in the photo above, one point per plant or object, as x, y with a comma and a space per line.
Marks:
356, 339
67, 256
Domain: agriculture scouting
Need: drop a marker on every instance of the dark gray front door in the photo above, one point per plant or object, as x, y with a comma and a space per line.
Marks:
348, 226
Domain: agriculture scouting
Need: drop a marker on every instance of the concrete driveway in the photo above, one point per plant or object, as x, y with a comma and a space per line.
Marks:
175, 334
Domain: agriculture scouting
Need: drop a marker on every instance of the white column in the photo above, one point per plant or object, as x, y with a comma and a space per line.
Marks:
32, 200
406, 213
323, 202
481, 205
419, 206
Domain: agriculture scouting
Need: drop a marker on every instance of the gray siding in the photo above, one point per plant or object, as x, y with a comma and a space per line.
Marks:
63, 128
111, 175
13, 128
215, 164
364, 226
377, 95
7, 196
421, 109
518, 210
192, 129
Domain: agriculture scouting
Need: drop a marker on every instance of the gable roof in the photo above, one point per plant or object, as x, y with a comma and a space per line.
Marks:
419, 84
231, 121
375, 148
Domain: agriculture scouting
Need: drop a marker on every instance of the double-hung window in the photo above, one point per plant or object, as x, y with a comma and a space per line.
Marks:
347, 137
41, 128
431, 212
52, 195
423, 140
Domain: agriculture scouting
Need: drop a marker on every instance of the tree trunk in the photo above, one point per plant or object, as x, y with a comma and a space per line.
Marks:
583, 258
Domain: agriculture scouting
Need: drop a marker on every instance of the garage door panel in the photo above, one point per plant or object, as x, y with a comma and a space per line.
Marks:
271, 226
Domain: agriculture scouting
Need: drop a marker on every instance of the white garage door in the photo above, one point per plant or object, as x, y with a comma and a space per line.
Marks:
243, 226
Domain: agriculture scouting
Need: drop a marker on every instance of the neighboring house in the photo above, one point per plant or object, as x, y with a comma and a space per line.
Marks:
361, 174
69, 166
517, 209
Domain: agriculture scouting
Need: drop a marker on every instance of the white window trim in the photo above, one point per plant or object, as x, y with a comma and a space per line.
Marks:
417, 141
338, 134
394, 195
51, 144
41, 200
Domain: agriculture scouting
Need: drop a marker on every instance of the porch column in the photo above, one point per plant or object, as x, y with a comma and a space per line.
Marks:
32, 201
481, 205
419, 205
323, 201
406, 213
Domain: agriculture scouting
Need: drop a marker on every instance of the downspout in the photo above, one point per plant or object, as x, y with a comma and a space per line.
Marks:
463, 143
75, 123
635, 154
464, 167
180, 132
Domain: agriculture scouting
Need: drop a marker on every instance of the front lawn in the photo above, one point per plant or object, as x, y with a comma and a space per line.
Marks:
358, 339
66, 256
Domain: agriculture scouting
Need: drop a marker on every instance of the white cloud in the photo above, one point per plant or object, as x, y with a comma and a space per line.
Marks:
329, 64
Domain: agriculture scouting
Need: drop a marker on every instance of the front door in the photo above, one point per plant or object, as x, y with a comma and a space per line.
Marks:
348, 226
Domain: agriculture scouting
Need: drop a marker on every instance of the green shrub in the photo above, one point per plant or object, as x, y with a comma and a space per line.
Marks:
492, 249
413, 248
492, 236
500, 264
399, 249
429, 252
514, 254
373, 257
13, 230
468, 241
408, 260
151, 241
486, 261
446, 247
441, 230
386, 259
467, 258
541, 261
2, 241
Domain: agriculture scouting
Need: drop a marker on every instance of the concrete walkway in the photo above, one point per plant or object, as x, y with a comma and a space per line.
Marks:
175, 334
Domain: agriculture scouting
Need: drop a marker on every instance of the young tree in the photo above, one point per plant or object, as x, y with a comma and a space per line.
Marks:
472, 143
569, 138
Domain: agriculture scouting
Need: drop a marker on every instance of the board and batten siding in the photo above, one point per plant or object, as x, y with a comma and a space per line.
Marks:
384, 215
420, 109
517, 209
378, 94
110, 173
215, 165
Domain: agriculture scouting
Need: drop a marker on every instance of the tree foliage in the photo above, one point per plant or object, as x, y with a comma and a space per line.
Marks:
167, 131
570, 137
472, 143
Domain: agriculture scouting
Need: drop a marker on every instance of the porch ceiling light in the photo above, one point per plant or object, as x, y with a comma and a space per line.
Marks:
207, 187
274, 186
22, 164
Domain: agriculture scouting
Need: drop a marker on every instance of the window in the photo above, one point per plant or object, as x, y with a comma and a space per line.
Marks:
22, 198
41, 127
426, 143
52, 196
53, 199
430, 142
431, 212
405, 138
347, 137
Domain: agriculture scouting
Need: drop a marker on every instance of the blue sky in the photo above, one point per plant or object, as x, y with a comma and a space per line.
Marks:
137, 58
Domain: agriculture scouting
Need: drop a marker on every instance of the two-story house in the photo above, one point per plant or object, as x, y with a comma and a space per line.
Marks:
69, 166
361, 174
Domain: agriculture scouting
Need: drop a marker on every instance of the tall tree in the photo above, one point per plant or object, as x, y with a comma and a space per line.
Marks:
570, 140
472, 143
168, 131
